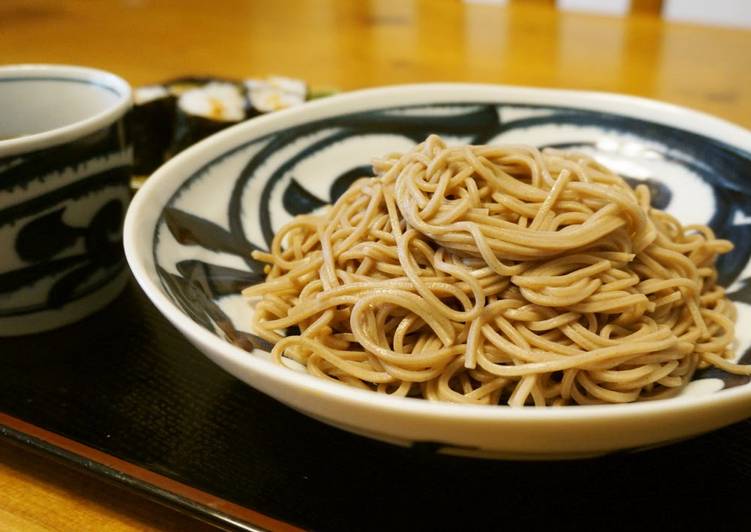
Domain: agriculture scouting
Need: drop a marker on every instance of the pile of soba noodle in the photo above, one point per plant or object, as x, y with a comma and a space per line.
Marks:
496, 274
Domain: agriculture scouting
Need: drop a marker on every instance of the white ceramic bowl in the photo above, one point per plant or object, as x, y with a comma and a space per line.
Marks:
190, 229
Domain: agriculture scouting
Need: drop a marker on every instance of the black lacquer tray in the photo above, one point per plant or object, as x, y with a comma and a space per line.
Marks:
125, 396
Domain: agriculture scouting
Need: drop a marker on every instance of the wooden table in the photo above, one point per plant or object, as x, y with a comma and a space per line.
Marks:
345, 44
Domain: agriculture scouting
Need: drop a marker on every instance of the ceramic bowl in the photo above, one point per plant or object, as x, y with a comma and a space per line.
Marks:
190, 230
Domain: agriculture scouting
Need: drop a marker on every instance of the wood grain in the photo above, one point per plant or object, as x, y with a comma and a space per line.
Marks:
365, 43
345, 44
39, 494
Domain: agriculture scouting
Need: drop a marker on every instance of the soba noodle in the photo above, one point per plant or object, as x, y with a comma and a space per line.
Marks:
496, 274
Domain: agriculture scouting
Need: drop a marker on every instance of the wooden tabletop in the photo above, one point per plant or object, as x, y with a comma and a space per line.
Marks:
345, 44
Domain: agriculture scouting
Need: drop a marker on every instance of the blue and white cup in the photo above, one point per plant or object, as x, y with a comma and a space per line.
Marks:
65, 166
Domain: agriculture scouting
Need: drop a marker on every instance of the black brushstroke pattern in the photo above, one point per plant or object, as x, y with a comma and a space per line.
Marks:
45, 237
478, 120
102, 238
115, 177
103, 245
743, 294
297, 200
64, 289
37, 164
235, 207
265, 203
22, 277
193, 297
191, 230
218, 281
345, 180
183, 294
730, 265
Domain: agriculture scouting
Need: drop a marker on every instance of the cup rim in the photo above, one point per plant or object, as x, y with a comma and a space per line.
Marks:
79, 128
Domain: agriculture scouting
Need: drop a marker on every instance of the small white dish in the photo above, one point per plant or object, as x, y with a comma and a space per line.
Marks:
190, 229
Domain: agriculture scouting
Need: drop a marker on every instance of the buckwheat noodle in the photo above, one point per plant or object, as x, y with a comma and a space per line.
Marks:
496, 274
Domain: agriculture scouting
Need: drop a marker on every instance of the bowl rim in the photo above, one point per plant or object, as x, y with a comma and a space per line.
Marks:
169, 177
59, 135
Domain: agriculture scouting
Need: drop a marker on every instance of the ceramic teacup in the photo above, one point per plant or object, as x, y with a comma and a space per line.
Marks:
65, 165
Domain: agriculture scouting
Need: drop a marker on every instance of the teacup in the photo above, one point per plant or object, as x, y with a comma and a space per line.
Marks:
65, 166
